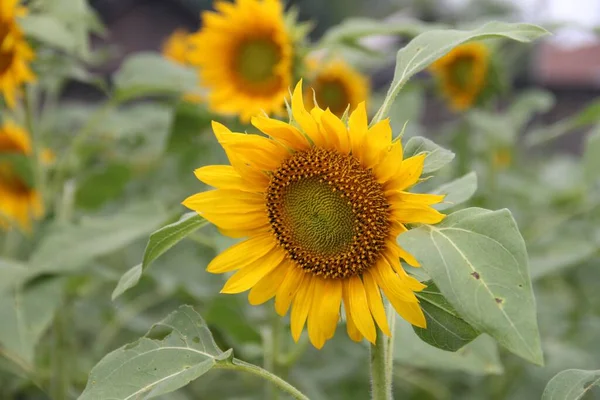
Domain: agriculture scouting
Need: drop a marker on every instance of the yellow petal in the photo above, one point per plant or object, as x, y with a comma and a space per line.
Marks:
242, 254
358, 127
295, 278
409, 311
226, 177
359, 307
281, 131
375, 303
418, 198
248, 276
246, 222
325, 311
301, 116
399, 252
390, 164
377, 140
225, 201
257, 151
351, 328
301, 307
407, 280
410, 213
391, 283
267, 287
409, 174
335, 128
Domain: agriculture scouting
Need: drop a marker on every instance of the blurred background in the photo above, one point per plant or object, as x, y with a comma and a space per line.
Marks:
566, 64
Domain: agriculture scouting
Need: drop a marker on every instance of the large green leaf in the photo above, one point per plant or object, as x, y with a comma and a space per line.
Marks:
149, 74
480, 357
160, 241
436, 156
12, 274
571, 384
174, 352
50, 31
25, 314
430, 46
457, 191
446, 329
478, 260
68, 247
352, 29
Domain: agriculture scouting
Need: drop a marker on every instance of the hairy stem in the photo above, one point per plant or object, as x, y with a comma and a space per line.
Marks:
381, 370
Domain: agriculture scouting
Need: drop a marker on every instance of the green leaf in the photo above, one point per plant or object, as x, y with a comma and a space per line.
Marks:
432, 45
25, 314
446, 329
571, 384
21, 165
457, 191
160, 241
174, 352
94, 237
128, 280
353, 29
436, 156
591, 158
561, 253
50, 31
149, 74
480, 357
12, 274
528, 104
478, 260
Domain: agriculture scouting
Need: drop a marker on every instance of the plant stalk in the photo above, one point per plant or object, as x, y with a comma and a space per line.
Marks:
381, 369
239, 365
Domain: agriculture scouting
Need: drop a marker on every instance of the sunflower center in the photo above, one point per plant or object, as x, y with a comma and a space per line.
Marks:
328, 213
462, 70
256, 60
332, 95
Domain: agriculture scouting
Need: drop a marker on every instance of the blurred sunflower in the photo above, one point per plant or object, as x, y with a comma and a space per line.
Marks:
322, 204
244, 53
462, 74
336, 85
15, 53
177, 47
19, 202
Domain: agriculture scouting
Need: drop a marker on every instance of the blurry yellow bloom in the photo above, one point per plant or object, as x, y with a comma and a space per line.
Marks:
321, 203
336, 85
502, 158
19, 202
462, 74
47, 157
244, 53
15, 53
177, 46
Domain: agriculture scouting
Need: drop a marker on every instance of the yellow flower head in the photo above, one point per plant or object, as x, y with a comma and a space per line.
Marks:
244, 53
19, 201
321, 205
462, 74
336, 85
177, 47
15, 53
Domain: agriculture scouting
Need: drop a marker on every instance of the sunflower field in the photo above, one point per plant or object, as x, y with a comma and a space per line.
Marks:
261, 199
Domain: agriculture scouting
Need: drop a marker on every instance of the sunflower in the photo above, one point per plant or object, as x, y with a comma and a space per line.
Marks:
321, 205
177, 47
336, 85
19, 202
15, 53
462, 74
244, 53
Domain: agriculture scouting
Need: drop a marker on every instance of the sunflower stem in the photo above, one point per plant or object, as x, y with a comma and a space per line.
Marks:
239, 365
381, 369
271, 346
